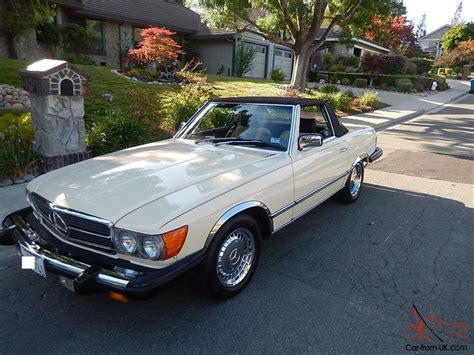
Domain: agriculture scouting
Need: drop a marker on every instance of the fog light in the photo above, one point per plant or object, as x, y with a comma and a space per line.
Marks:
152, 247
128, 242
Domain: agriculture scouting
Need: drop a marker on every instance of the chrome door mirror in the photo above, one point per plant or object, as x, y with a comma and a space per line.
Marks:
309, 140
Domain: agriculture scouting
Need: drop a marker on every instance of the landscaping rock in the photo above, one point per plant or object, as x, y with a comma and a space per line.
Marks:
11, 95
6, 182
28, 177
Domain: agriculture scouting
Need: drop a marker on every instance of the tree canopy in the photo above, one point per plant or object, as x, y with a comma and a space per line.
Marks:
300, 24
19, 16
457, 34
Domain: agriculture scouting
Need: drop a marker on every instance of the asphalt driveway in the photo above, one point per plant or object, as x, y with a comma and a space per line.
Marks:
344, 278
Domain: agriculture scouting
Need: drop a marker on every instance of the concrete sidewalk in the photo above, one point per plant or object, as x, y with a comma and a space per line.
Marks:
12, 198
404, 106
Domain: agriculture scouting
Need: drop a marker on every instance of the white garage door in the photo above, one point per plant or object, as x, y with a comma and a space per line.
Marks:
284, 61
258, 70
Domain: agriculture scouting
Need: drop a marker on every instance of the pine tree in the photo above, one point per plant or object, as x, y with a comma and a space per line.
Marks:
457, 14
421, 27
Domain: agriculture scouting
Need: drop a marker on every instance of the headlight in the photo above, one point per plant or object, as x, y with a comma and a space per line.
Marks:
127, 242
153, 247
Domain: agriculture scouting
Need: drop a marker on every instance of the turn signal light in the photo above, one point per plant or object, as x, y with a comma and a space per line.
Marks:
174, 241
118, 297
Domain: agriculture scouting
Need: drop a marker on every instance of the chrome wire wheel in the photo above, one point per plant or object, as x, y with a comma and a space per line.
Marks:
356, 180
235, 257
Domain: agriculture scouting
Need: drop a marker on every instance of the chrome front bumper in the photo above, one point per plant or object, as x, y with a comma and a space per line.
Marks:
89, 278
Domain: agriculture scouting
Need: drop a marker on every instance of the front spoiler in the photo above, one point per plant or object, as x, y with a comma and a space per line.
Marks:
89, 278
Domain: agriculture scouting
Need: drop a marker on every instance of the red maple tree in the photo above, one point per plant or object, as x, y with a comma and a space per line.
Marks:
395, 33
157, 45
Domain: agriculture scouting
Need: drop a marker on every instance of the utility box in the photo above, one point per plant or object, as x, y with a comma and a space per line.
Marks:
57, 111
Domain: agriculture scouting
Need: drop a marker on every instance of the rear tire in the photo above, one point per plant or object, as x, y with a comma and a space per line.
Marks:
232, 257
351, 191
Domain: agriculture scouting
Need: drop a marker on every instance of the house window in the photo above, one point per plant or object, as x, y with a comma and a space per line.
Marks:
288, 55
94, 33
136, 36
357, 52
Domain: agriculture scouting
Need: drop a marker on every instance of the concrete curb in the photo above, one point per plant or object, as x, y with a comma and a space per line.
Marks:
384, 126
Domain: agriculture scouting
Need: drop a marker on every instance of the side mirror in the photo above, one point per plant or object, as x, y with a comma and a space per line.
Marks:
309, 140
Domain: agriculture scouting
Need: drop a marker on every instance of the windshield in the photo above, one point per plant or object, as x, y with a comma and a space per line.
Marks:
259, 126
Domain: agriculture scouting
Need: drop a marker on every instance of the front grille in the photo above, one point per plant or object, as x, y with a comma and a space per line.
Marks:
81, 229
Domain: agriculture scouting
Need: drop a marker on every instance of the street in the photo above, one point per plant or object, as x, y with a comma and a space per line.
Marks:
343, 278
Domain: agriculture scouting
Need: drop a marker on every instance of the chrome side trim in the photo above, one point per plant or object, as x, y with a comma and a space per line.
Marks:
309, 194
234, 211
301, 215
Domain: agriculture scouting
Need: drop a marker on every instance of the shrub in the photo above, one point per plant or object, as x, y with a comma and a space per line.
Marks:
191, 73
345, 81
13, 126
330, 99
328, 58
75, 58
277, 75
374, 63
370, 99
244, 60
329, 88
349, 93
360, 83
404, 85
351, 61
17, 156
344, 102
333, 78
156, 46
337, 67
395, 64
145, 106
115, 131
180, 107
411, 68
423, 65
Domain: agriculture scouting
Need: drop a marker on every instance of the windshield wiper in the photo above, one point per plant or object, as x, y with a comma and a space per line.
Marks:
255, 142
218, 140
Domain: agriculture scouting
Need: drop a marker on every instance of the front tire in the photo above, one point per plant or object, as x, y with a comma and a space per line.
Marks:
351, 191
232, 257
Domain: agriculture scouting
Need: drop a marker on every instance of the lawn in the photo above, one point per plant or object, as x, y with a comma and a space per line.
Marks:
104, 81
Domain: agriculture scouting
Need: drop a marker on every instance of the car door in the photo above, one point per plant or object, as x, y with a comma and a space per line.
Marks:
319, 172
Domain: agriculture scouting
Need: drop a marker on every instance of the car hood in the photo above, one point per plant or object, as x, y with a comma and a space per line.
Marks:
113, 185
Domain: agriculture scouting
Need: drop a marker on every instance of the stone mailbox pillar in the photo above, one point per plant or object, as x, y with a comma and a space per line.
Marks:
57, 111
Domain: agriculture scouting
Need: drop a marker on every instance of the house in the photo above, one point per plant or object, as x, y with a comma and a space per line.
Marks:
431, 42
356, 47
112, 29
218, 50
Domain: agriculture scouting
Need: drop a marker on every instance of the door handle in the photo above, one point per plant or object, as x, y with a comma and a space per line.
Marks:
342, 150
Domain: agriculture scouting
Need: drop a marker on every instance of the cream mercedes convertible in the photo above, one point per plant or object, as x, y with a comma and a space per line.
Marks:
239, 170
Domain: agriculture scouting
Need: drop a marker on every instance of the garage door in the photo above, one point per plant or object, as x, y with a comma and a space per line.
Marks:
258, 70
284, 61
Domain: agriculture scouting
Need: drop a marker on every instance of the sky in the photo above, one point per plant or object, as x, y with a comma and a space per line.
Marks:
438, 12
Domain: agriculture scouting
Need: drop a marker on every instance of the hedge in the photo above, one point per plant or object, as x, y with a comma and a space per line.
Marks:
420, 83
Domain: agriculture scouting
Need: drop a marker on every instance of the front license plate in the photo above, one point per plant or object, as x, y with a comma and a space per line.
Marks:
35, 263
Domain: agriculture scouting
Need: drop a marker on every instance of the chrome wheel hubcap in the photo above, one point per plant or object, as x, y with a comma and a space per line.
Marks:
235, 257
356, 180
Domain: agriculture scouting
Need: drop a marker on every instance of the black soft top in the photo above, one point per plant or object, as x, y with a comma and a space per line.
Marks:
339, 129
270, 100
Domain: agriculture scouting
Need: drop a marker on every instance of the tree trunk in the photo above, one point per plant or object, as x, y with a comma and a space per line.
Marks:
11, 46
298, 78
